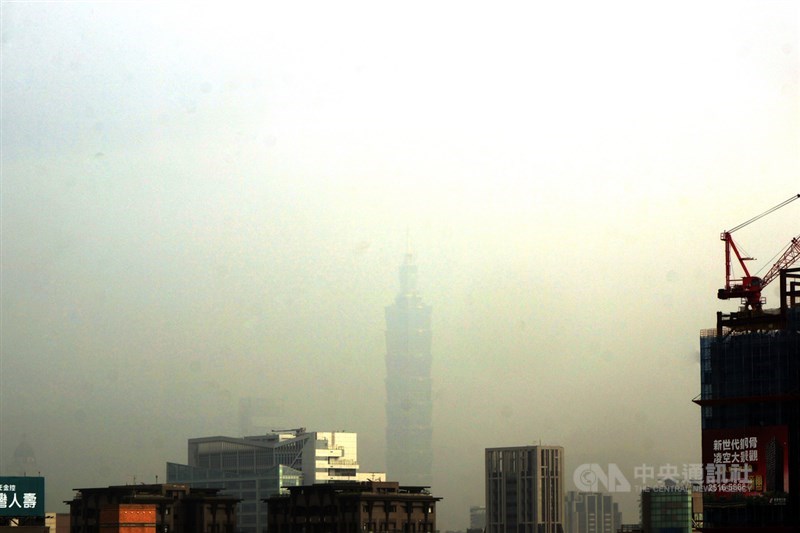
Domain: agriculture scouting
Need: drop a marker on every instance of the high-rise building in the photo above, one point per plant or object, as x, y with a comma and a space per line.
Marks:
409, 408
750, 412
525, 489
255, 468
591, 512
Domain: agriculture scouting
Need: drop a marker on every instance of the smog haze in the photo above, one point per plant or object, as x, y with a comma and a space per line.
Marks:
205, 204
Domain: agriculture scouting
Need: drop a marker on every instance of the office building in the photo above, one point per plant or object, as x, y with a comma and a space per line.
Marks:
175, 508
591, 512
353, 508
409, 410
666, 510
255, 468
750, 412
525, 489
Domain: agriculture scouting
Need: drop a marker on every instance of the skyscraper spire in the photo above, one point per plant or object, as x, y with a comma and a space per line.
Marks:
408, 276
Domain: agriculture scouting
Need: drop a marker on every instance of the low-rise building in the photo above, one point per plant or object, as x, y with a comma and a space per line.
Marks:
169, 507
355, 507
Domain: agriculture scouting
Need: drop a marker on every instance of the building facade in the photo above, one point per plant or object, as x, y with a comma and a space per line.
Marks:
591, 512
258, 467
166, 508
353, 508
666, 510
128, 518
750, 413
409, 407
525, 489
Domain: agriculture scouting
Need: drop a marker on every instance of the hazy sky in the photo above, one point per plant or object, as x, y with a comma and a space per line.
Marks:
203, 203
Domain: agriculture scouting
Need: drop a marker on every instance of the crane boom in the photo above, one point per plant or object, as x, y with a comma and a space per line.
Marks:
749, 288
789, 256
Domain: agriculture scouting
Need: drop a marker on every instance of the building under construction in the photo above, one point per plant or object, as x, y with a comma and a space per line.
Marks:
750, 403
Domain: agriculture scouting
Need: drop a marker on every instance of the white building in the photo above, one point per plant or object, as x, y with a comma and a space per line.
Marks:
322, 456
258, 467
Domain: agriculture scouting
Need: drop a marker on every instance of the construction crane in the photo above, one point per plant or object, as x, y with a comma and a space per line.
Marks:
749, 288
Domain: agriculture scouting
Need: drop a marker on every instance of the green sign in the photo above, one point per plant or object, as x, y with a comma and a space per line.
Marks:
21, 496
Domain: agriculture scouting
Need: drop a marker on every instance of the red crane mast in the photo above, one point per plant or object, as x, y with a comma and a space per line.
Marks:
749, 288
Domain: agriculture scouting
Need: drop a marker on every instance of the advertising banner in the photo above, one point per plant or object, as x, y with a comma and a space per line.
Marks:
21, 496
752, 460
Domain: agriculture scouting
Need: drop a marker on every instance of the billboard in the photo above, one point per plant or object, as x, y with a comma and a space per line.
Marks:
21, 496
752, 460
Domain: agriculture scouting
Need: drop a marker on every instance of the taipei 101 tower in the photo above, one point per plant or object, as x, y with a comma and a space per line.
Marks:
409, 408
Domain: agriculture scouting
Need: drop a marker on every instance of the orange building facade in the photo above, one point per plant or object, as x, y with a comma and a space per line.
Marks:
128, 518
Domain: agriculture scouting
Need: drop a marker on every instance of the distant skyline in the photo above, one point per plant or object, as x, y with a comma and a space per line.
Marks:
201, 204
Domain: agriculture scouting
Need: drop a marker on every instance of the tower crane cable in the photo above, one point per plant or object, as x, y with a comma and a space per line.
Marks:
765, 213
